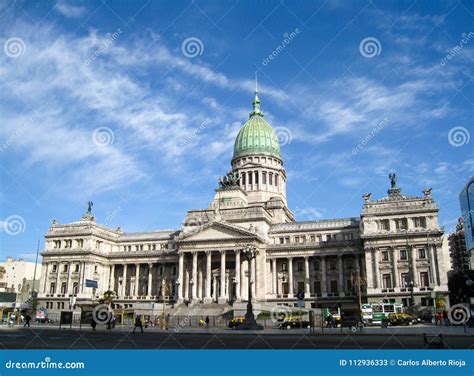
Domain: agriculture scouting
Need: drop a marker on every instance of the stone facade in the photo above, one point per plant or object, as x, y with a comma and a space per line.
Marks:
392, 251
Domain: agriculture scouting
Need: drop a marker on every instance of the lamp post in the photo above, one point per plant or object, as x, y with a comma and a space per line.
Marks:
250, 253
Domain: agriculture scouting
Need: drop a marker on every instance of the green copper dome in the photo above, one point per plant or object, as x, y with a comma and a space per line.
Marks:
256, 136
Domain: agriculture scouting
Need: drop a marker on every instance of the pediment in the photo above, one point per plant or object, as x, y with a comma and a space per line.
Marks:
217, 231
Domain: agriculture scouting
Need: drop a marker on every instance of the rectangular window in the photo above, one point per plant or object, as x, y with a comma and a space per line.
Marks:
284, 267
424, 280
401, 224
250, 178
313, 238
256, 177
52, 288
419, 222
282, 240
387, 281
421, 253
297, 239
76, 268
244, 181
174, 270
317, 287
264, 178
403, 254
333, 285
332, 264
316, 265
300, 266
55, 267
63, 288
384, 225
65, 267
350, 263
384, 255
405, 280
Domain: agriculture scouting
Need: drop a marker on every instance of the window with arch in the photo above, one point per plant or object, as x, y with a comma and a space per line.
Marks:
256, 177
250, 178
264, 177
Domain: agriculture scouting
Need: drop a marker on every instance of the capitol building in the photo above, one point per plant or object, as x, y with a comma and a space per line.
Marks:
391, 251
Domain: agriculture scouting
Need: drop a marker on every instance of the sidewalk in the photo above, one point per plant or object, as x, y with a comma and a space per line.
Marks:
400, 330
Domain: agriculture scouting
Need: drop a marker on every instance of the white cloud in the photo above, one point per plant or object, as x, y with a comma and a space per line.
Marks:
69, 10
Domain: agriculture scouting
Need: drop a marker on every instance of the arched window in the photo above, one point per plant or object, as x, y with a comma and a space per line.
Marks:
250, 178
256, 177
270, 178
276, 180
264, 177
243, 178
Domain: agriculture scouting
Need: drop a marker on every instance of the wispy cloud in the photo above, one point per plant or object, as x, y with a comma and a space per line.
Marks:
70, 10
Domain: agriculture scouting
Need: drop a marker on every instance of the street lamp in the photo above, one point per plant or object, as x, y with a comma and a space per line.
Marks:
250, 253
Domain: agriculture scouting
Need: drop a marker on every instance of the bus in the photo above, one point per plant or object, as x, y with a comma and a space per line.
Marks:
374, 313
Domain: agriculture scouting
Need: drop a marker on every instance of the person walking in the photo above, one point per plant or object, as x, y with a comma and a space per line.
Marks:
207, 323
93, 324
138, 323
27, 321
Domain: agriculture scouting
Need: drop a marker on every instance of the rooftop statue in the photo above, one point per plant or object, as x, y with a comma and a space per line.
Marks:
89, 207
393, 180
232, 179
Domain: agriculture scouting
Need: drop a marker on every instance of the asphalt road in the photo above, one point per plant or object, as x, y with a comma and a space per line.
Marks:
54, 338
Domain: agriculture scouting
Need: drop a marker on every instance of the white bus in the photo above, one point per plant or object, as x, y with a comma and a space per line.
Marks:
374, 313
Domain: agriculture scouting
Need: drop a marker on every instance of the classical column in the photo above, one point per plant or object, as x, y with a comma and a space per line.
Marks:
45, 269
341, 276
194, 276
222, 297
324, 283
68, 283
395, 267
112, 278
214, 291
237, 274
290, 278
180, 276
200, 287
274, 276
124, 280
208, 274
376, 269
137, 280
306, 277
150, 276
413, 265
58, 272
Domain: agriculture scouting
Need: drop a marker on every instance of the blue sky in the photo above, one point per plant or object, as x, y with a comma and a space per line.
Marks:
135, 105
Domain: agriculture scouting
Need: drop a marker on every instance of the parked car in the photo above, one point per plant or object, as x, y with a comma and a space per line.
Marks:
396, 319
351, 319
236, 321
294, 322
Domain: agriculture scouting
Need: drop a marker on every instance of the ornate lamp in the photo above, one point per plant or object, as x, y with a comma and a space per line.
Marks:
250, 252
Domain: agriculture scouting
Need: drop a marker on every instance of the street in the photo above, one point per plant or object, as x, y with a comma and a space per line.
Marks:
51, 337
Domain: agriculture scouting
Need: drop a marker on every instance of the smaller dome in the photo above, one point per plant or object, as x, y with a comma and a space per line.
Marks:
256, 136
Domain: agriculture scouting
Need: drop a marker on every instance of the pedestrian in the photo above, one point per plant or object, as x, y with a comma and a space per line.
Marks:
207, 323
138, 323
93, 324
27, 321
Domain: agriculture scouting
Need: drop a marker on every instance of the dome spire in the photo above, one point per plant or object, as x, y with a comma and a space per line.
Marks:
256, 101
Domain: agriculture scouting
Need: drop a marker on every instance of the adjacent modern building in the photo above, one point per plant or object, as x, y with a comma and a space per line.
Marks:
391, 251
466, 198
17, 275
